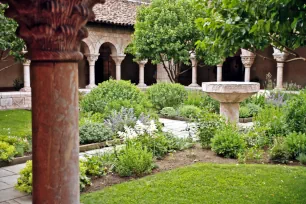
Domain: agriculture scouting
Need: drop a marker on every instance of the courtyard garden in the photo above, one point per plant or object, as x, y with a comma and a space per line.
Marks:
130, 124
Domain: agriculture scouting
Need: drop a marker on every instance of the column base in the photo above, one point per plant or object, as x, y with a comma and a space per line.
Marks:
142, 85
194, 85
26, 89
230, 111
91, 86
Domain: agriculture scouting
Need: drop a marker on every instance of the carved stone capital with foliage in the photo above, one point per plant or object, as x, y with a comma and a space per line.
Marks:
52, 29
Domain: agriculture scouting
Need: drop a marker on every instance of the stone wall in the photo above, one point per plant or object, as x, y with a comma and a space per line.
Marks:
7, 76
15, 100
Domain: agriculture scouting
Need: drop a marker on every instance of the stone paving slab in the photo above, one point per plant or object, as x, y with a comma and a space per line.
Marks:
15, 169
10, 180
10, 194
4, 173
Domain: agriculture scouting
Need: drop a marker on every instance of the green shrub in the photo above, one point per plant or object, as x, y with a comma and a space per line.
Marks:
279, 152
272, 118
7, 151
94, 132
296, 144
256, 137
195, 98
109, 91
253, 109
90, 117
96, 165
295, 113
24, 182
207, 125
176, 143
158, 144
302, 158
22, 144
84, 179
244, 112
125, 117
227, 142
258, 99
189, 111
134, 160
251, 155
168, 112
166, 95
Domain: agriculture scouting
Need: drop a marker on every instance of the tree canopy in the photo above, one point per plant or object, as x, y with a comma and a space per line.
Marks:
165, 32
10, 44
229, 25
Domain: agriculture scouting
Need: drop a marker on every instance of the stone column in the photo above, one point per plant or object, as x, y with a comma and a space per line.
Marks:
280, 58
219, 72
92, 58
247, 59
141, 73
26, 76
194, 64
118, 60
52, 31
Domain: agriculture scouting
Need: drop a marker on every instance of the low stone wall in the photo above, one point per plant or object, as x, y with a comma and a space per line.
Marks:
15, 100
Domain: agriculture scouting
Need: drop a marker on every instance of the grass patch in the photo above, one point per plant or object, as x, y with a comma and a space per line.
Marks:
15, 122
211, 183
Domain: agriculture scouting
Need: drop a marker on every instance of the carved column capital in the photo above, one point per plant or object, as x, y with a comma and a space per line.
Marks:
280, 56
92, 58
26, 62
52, 29
247, 58
118, 59
143, 62
193, 58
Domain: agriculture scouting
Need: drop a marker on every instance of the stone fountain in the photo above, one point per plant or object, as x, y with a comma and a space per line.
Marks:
230, 94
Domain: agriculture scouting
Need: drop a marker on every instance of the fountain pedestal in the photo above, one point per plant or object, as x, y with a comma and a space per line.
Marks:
230, 94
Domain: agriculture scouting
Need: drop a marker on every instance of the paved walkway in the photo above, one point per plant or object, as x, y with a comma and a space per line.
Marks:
9, 175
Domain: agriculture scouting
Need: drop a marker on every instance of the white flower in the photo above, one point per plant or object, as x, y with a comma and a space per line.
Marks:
151, 128
140, 128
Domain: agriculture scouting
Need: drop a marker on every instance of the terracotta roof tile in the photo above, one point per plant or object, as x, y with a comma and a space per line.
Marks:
119, 12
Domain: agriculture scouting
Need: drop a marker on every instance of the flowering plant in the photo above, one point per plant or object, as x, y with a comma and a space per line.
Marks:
139, 130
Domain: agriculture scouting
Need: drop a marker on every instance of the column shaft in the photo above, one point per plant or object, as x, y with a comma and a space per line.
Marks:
247, 74
55, 132
118, 71
219, 72
280, 70
230, 111
141, 74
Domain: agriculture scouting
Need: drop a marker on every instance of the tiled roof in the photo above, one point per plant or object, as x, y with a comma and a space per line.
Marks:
118, 12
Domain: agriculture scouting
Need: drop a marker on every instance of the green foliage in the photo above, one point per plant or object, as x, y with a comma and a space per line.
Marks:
22, 144
166, 95
207, 125
24, 182
250, 24
165, 32
134, 160
168, 112
302, 158
258, 99
97, 165
94, 132
176, 143
228, 142
244, 112
296, 144
7, 151
158, 144
84, 179
90, 117
272, 118
9, 42
208, 183
279, 151
189, 111
295, 113
251, 155
103, 98
256, 137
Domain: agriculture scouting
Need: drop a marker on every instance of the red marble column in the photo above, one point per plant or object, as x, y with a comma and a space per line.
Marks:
52, 31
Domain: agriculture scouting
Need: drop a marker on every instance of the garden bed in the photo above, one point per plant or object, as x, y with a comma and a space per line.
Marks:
83, 148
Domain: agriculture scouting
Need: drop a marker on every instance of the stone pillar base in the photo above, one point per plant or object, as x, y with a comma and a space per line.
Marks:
25, 89
230, 111
91, 86
142, 85
194, 85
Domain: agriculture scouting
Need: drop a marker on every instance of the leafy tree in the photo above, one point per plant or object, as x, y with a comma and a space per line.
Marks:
10, 44
165, 32
229, 25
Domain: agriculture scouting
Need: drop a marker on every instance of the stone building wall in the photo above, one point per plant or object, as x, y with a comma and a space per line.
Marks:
15, 100
7, 76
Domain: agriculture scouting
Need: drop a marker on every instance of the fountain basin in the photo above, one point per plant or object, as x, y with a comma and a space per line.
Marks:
230, 94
